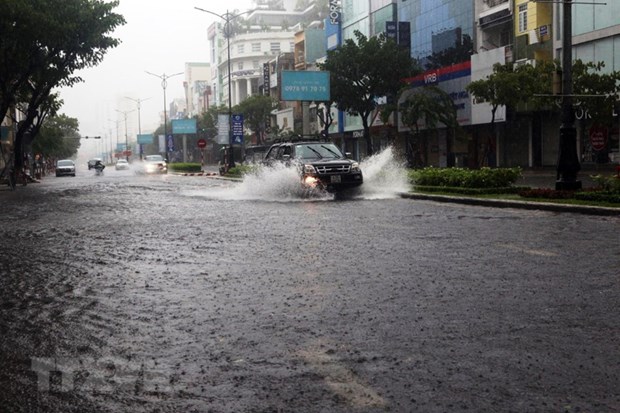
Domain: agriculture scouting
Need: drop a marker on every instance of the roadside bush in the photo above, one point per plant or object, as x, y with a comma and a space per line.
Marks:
185, 167
240, 170
465, 178
607, 183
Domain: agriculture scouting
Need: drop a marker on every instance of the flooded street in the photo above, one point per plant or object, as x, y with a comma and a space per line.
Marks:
127, 293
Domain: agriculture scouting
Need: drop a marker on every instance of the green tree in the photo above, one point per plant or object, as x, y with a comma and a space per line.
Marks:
427, 106
58, 137
363, 71
43, 43
596, 92
256, 109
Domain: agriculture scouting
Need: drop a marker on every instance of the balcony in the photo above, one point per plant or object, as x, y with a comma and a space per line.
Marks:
497, 12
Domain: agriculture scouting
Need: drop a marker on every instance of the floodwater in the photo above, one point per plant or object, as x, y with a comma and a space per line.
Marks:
126, 293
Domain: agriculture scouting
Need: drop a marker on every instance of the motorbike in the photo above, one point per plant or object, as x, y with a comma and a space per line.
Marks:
99, 169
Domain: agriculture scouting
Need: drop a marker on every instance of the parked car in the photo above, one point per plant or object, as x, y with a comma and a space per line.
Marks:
320, 164
154, 164
92, 162
121, 164
65, 167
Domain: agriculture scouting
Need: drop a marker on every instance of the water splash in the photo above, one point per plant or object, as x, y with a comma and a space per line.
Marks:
384, 178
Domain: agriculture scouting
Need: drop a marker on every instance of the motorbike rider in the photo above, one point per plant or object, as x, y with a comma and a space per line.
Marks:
99, 166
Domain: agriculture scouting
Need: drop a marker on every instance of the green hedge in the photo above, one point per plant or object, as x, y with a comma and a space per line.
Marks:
470, 191
185, 167
242, 169
465, 178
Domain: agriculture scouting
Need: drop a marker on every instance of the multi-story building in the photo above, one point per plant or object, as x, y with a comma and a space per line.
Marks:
265, 33
443, 38
197, 87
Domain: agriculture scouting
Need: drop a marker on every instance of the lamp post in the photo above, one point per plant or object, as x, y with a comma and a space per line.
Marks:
138, 101
126, 143
228, 17
568, 161
117, 122
164, 83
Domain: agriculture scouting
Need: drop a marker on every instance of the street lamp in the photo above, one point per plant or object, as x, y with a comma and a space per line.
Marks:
568, 161
138, 101
164, 83
124, 113
227, 17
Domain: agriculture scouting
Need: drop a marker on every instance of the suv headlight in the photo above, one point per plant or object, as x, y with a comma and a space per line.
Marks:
355, 167
309, 169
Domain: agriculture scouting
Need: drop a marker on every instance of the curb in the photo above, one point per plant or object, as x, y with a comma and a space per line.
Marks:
196, 173
500, 203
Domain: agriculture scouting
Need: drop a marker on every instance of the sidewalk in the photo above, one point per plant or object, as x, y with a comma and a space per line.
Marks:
546, 177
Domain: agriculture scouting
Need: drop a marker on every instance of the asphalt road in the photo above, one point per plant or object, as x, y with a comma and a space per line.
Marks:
128, 293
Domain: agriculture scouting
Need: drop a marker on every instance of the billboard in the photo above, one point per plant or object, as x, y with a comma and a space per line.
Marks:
145, 139
305, 86
183, 126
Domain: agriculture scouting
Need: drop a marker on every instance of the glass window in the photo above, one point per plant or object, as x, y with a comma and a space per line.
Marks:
240, 66
274, 46
240, 48
442, 31
522, 18
256, 47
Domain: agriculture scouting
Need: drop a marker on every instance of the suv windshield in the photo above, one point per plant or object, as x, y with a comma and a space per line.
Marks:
154, 158
318, 151
65, 163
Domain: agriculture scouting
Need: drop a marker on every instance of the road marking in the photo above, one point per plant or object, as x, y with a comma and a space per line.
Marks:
342, 380
537, 252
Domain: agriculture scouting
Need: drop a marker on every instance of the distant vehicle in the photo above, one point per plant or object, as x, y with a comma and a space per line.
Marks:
154, 164
92, 162
121, 164
320, 164
65, 167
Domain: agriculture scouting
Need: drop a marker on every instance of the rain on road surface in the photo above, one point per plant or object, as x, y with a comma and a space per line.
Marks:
127, 293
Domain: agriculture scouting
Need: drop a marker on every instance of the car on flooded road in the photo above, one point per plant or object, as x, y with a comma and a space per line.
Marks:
320, 164
65, 167
153, 164
121, 164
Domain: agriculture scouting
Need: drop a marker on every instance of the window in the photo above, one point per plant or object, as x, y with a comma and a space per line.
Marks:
523, 18
275, 47
256, 47
240, 48
255, 64
292, 46
240, 66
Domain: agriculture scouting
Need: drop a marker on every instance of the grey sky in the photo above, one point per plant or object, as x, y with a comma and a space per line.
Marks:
160, 36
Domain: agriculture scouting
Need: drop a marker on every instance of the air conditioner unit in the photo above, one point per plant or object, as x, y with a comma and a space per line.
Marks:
533, 37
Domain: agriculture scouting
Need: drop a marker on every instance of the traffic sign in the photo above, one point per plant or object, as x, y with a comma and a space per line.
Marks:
598, 138
201, 143
237, 129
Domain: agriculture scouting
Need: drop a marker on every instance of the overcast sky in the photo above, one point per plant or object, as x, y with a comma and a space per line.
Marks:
160, 36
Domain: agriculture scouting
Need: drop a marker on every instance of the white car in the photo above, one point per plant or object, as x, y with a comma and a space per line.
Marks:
121, 164
154, 164
65, 167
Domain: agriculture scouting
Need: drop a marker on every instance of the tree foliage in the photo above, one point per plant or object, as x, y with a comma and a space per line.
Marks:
58, 137
256, 109
511, 86
364, 70
427, 106
43, 43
